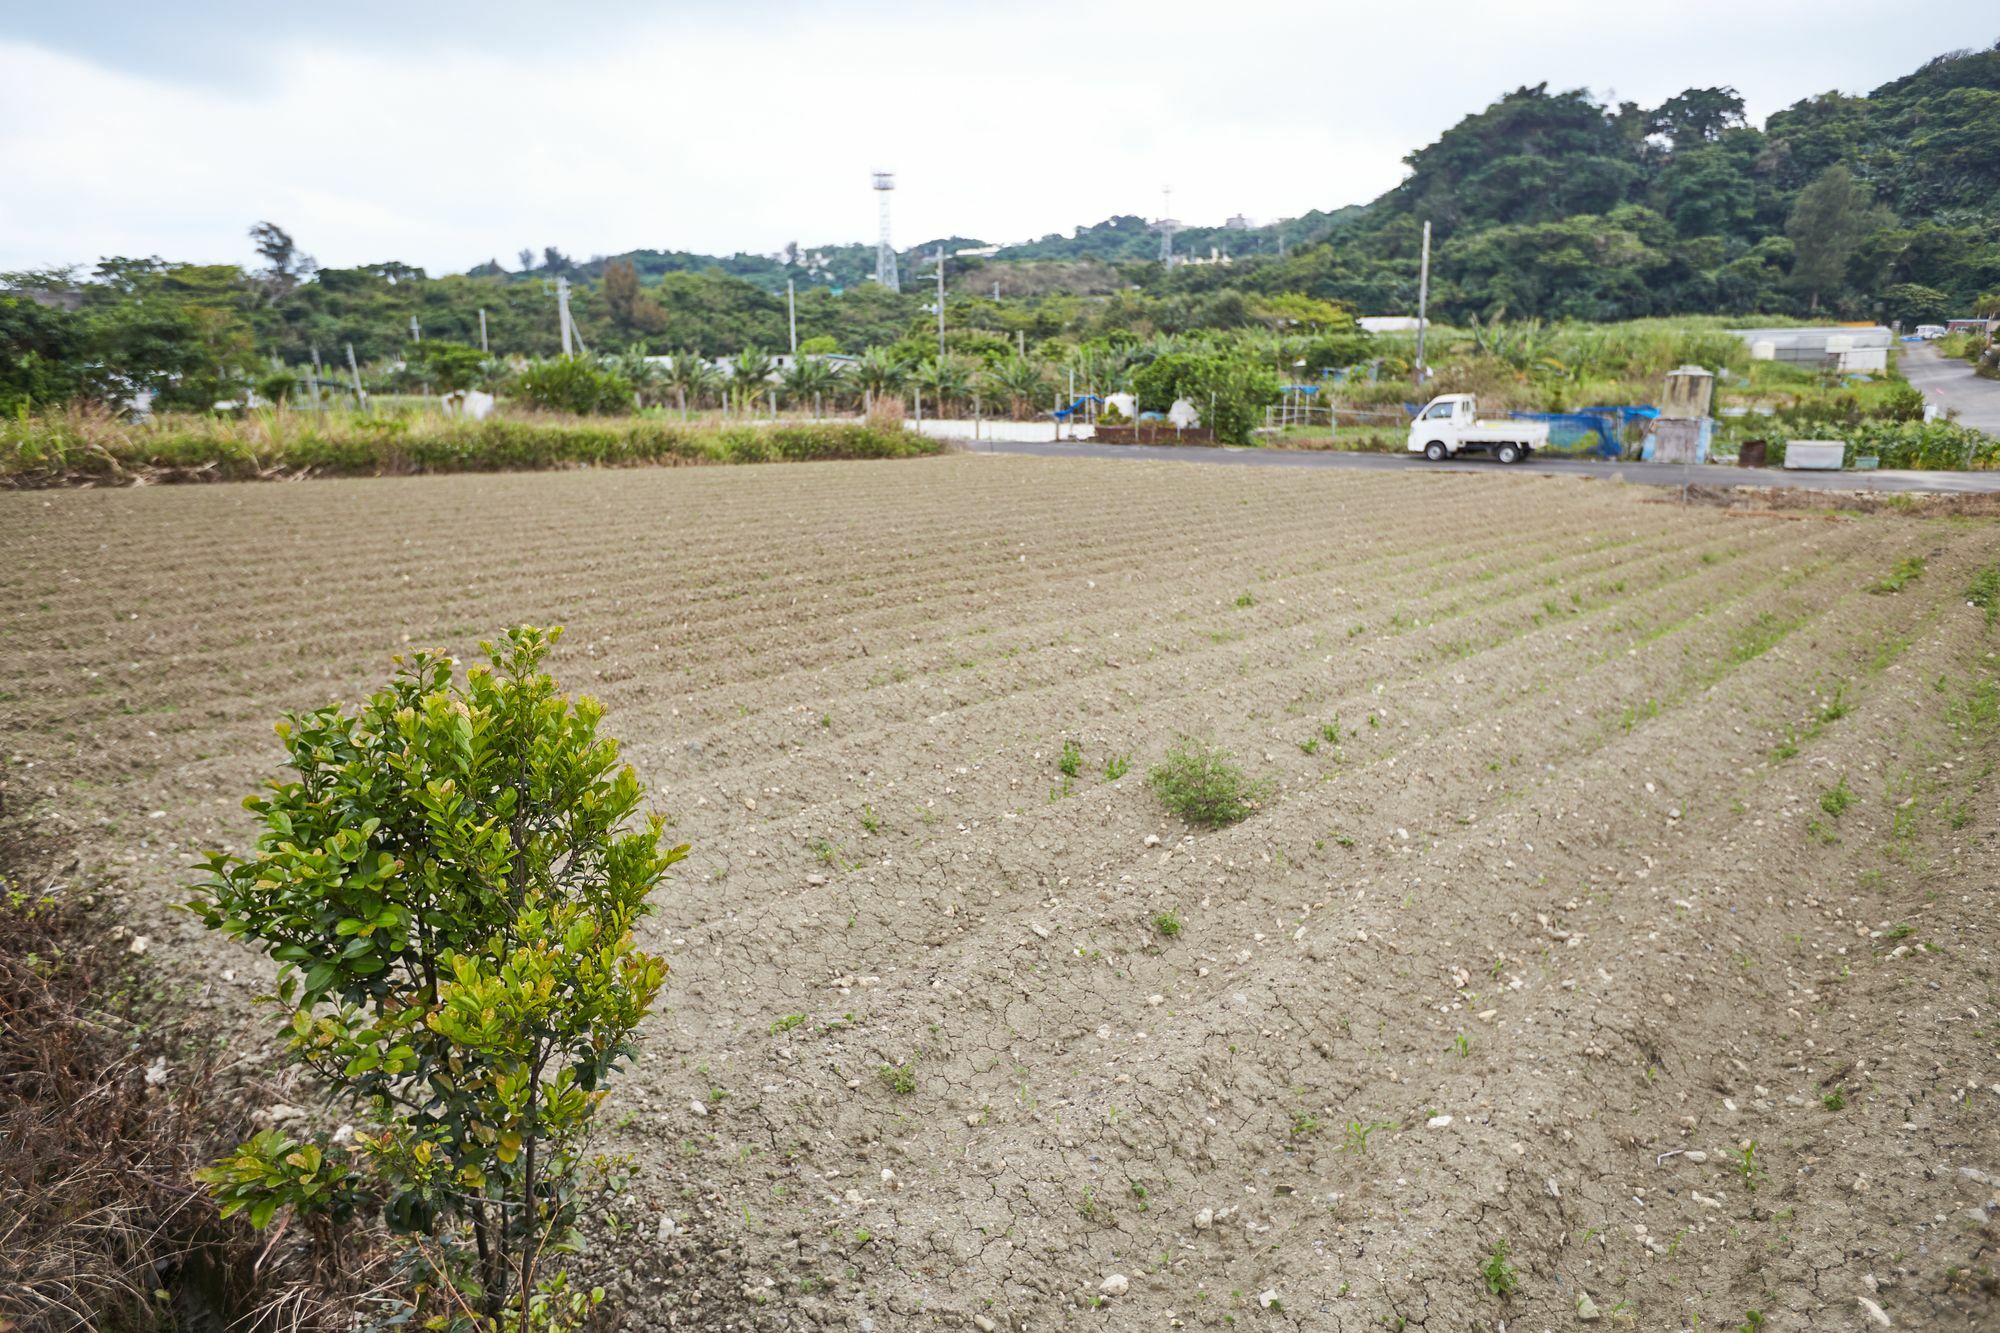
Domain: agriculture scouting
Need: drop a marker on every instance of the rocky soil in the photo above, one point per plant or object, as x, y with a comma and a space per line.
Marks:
1614, 942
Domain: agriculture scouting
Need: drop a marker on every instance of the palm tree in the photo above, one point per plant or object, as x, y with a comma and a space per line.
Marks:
1021, 381
690, 377
947, 378
634, 365
750, 376
877, 371
810, 379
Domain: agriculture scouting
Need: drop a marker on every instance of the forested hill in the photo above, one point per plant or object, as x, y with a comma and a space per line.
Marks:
1544, 205
1552, 204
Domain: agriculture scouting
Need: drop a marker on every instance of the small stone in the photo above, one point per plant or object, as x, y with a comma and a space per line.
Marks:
1437, 1122
156, 1072
696, 1106
1586, 1308
668, 1227
749, 803
1204, 1219
1268, 1298
983, 1324
816, 881
890, 1180
1115, 1285
1875, 1312
139, 944
1152, 840
1695, 1155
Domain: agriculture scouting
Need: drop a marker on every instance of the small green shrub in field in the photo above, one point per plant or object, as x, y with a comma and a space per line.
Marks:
449, 880
1901, 576
1071, 762
1168, 923
1984, 592
1501, 1279
1201, 783
1117, 766
577, 385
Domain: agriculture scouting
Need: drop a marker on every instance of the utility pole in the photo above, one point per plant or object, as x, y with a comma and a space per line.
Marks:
562, 315
416, 330
940, 277
360, 398
484, 350
1423, 301
318, 406
792, 309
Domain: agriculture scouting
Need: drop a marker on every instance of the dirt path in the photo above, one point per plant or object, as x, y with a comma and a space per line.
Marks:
1604, 837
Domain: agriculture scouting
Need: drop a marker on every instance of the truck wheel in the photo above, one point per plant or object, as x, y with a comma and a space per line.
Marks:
1509, 452
1435, 451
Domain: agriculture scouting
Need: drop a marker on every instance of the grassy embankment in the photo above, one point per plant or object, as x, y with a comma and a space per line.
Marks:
78, 448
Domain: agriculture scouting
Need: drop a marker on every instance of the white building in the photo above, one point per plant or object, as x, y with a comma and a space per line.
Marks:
1389, 323
1851, 348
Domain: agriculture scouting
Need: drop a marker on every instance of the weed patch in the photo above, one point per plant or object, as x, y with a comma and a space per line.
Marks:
1201, 782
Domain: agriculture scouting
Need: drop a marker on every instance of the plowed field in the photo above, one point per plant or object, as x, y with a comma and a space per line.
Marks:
1622, 889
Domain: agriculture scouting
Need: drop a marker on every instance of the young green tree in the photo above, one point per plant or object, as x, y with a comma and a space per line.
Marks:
576, 384
1229, 392
449, 880
1829, 219
447, 366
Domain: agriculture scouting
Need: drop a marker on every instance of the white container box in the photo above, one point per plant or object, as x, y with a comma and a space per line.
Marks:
1817, 455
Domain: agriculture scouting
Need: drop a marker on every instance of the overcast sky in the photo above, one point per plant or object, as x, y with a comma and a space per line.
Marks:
443, 134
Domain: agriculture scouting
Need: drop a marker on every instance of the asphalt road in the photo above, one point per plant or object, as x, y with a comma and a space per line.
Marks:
1648, 474
1952, 384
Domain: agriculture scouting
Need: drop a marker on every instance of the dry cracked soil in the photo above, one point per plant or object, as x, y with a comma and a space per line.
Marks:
1620, 898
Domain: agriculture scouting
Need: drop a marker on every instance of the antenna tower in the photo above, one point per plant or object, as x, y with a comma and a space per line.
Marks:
1166, 226
885, 250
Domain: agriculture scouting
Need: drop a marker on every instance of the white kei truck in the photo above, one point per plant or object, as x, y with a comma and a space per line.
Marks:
1449, 425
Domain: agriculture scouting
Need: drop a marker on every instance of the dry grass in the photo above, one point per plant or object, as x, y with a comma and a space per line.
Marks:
108, 1103
83, 446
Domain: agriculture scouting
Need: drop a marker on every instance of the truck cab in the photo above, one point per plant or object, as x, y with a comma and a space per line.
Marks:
1449, 425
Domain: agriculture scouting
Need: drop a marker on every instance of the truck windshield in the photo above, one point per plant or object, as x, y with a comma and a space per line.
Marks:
1438, 410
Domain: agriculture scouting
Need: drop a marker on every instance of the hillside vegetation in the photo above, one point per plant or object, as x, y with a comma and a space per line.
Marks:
1545, 205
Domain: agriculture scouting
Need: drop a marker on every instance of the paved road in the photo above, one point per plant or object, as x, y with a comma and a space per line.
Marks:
1952, 384
1649, 474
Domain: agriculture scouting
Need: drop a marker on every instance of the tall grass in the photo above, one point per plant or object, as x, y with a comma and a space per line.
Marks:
79, 446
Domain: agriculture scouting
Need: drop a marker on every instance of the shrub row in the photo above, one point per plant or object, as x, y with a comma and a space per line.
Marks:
1931, 446
79, 449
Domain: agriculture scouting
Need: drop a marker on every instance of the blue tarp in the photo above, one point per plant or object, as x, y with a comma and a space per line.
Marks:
1590, 430
1065, 413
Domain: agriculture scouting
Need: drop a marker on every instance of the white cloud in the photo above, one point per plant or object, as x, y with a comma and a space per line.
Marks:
715, 130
